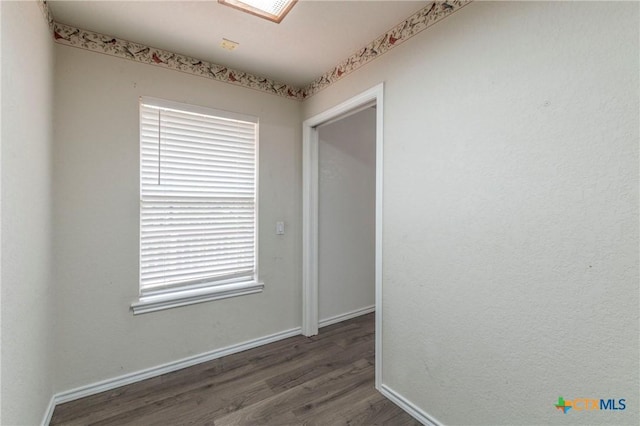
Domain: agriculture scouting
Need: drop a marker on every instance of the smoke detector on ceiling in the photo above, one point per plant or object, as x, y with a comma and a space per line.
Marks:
228, 44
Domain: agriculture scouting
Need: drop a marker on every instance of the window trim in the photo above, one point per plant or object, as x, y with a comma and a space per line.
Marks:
166, 298
188, 296
257, 11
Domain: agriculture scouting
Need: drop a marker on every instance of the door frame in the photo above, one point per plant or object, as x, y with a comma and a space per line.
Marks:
310, 178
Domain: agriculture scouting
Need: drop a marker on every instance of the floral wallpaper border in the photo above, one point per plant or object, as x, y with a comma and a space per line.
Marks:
47, 13
416, 23
419, 21
101, 43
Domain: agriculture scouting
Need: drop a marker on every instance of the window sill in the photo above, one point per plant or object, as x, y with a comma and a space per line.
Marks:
184, 297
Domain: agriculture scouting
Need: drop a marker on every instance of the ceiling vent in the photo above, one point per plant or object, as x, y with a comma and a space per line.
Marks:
228, 44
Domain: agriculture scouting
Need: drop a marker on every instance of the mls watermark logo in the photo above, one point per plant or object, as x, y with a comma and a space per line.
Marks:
590, 404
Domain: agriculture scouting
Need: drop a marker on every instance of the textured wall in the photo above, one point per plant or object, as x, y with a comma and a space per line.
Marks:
96, 186
27, 293
346, 216
510, 234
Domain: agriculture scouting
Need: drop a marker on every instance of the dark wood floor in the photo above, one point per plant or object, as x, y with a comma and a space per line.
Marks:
324, 380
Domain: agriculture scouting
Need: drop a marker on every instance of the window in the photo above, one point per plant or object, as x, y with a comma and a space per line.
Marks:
198, 209
272, 10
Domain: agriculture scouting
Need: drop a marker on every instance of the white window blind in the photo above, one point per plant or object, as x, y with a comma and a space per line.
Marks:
198, 198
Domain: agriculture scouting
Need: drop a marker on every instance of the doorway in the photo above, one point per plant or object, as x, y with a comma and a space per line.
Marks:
346, 217
310, 291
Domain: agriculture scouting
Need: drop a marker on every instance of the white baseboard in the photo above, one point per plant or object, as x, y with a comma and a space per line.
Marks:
409, 407
343, 317
169, 367
49, 413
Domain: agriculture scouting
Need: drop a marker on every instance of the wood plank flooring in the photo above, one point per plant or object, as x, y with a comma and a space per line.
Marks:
324, 380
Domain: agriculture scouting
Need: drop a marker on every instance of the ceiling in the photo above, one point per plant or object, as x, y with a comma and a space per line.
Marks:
312, 38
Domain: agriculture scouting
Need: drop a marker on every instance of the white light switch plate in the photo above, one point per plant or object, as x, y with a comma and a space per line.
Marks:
279, 228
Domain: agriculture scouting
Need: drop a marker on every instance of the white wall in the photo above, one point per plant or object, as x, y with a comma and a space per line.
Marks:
27, 294
96, 208
510, 240
346, 216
